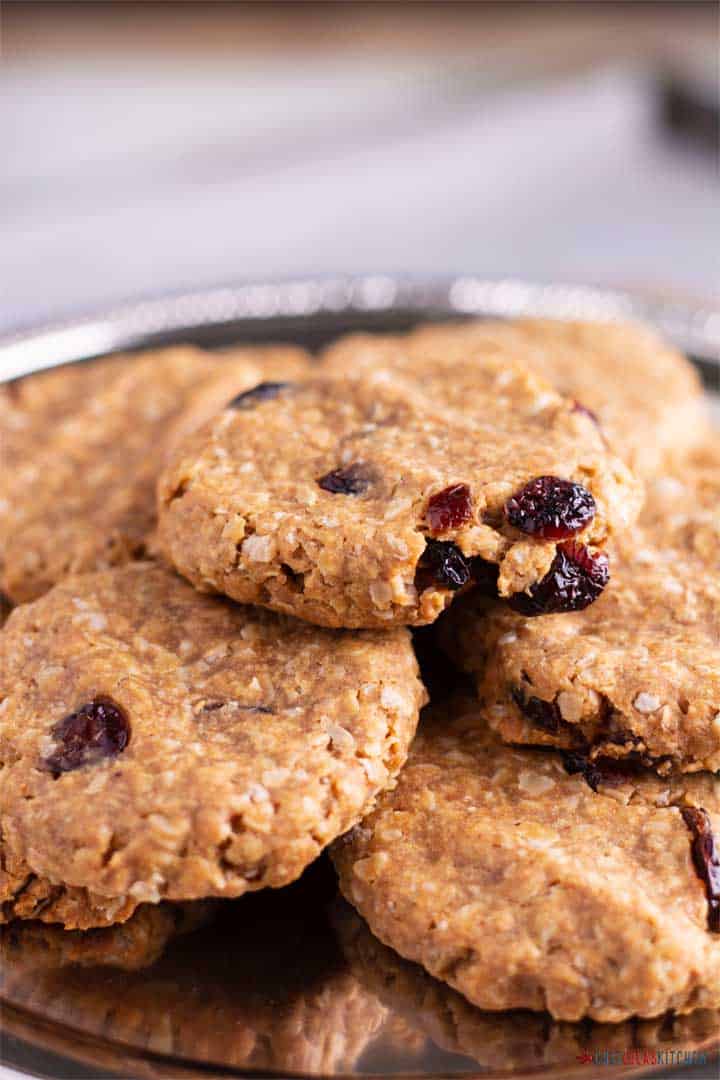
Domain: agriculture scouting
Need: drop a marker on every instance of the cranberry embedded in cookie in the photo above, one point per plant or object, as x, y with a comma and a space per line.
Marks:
706, 857
159, 743
542, 714
369, 496
442, 563
576, 578
264, 391
449, 508
551, 507
353, 479
97, 730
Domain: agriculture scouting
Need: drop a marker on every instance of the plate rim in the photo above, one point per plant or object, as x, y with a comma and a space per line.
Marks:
692, 327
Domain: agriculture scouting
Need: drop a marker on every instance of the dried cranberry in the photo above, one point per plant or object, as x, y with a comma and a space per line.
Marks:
551, 508
573, 763
442, 564
100, 729
354, 479
542, 714
706, 859
575, 579
264, 391
449, 508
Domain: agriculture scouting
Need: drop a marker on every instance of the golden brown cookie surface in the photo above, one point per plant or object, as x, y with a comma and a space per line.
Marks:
638, 673
81, 447
162, 744
370, 499
645, 394
522, 886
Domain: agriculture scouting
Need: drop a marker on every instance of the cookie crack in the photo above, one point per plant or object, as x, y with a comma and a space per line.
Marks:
9, 904
450, 969
178, 492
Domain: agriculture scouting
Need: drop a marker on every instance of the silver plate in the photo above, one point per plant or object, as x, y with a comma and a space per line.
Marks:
313, 309
272, 986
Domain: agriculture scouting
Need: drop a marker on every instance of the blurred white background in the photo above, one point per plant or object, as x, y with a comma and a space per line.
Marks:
153, 147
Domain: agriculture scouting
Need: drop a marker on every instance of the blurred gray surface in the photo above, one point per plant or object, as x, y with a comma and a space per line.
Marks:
136, 175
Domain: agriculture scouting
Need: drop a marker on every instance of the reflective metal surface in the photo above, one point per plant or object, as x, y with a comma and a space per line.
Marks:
315, 309
291, 981
288, 982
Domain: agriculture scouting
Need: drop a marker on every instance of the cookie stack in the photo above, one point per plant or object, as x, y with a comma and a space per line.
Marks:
209, 676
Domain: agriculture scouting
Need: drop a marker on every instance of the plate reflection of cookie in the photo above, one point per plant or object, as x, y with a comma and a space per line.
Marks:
518, 1041
263, 987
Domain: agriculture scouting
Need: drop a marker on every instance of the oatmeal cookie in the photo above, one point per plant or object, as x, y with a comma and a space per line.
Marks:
371, 500
161, 744
519, 1040
518, 881
682, 502
265, 991
646, 396
638, 674
81, 447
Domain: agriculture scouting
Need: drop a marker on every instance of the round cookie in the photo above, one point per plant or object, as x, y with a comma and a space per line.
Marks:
638, 674
81, 447
372, 500
517, 1040
162, 744
645, 394
522, 886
